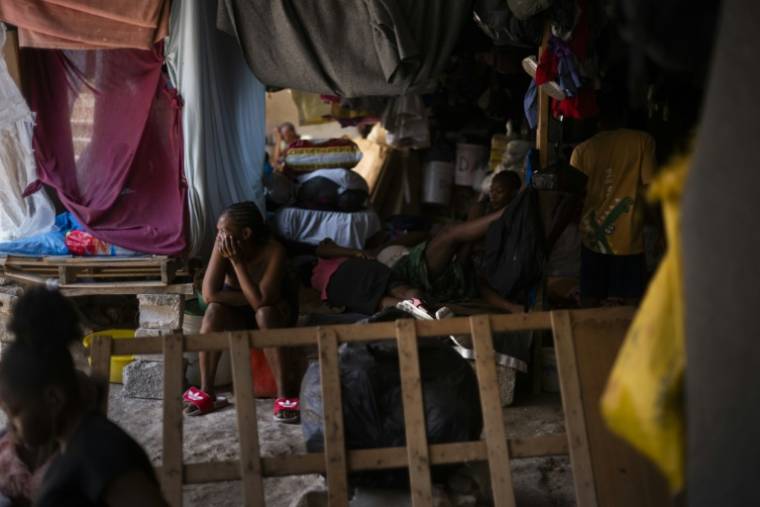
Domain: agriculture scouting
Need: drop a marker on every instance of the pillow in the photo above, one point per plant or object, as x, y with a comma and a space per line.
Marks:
304, 156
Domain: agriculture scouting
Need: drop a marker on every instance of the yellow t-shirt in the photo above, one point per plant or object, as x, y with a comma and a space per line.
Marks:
618, 164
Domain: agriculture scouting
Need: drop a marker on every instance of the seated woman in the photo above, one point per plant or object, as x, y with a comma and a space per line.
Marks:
40, 392
246, 286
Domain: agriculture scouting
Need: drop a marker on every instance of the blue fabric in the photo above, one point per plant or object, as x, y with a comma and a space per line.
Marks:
48, 243
568, 77
222, 119
530, 105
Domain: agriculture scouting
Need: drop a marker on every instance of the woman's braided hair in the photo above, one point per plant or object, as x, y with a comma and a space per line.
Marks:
247, 214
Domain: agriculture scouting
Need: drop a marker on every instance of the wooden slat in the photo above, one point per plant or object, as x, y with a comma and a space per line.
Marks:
100, 364
335, 446
493, 417
572, 404
171, 477
368, 332
346, 333
245, 405
375, 459
126, 289
414, 414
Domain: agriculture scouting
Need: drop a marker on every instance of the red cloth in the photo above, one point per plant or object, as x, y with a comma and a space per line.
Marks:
583, 105
323, 271
127, 186
88, 24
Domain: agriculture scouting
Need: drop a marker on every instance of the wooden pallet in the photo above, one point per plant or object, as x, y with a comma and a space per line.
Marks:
418, 456
92, 274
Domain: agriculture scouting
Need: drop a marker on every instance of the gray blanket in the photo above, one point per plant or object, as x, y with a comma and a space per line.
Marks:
349, 48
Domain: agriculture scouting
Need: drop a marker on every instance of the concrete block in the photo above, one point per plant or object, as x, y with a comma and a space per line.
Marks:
8, 297
161, 311
142, 332
144, 379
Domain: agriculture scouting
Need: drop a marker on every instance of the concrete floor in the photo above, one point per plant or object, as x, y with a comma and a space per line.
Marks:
539, 482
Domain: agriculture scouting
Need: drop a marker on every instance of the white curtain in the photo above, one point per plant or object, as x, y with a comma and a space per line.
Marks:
222, 118
19, 216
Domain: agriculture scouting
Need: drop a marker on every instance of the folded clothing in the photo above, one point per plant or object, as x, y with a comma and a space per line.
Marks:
304, 156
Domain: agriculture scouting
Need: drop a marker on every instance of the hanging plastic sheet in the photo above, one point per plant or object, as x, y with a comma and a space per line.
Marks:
19, 216
88, 24
223, 118
643, 402
108, 139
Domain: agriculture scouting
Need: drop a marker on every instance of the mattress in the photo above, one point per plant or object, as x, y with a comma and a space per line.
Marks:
349, 230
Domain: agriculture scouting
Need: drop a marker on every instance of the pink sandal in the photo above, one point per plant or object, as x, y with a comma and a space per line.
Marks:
287, 410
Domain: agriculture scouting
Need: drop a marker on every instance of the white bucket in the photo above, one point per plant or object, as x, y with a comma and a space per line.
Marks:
436, 186
469, 158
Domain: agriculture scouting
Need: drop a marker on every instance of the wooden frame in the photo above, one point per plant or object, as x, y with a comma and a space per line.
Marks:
496, 448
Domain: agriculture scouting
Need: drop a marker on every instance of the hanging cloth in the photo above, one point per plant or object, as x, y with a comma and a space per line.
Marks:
20, 216
223, 118
87, 24
350, 49
108, 139
643, 402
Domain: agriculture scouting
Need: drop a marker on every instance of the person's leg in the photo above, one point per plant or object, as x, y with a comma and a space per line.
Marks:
285, 362
594, 278
628, 279
217, 318
442, 247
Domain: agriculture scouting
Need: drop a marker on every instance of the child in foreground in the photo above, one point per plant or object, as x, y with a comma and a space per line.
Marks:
97, 463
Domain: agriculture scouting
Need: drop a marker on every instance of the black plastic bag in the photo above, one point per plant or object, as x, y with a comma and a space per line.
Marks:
515, 248
372, 406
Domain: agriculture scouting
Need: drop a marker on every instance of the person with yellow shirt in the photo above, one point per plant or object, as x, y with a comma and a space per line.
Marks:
619, 164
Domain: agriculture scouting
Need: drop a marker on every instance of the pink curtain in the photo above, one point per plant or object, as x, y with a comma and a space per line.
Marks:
108, 139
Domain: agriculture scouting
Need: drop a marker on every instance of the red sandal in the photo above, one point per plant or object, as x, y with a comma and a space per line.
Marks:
198, 402
287, 410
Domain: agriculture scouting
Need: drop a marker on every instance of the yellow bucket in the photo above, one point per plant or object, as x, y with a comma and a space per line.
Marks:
117, 362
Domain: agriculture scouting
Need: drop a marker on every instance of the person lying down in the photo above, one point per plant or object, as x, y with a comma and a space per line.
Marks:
434, 270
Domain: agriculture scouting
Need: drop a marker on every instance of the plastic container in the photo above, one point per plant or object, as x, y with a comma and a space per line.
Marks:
469, 158
118, 363
436, 185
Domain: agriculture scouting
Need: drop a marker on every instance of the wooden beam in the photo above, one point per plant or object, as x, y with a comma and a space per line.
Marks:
376, 459
572, 405
332, 417
414, 415
100, 364
542, 130
171, 477
248, 433
493, 417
